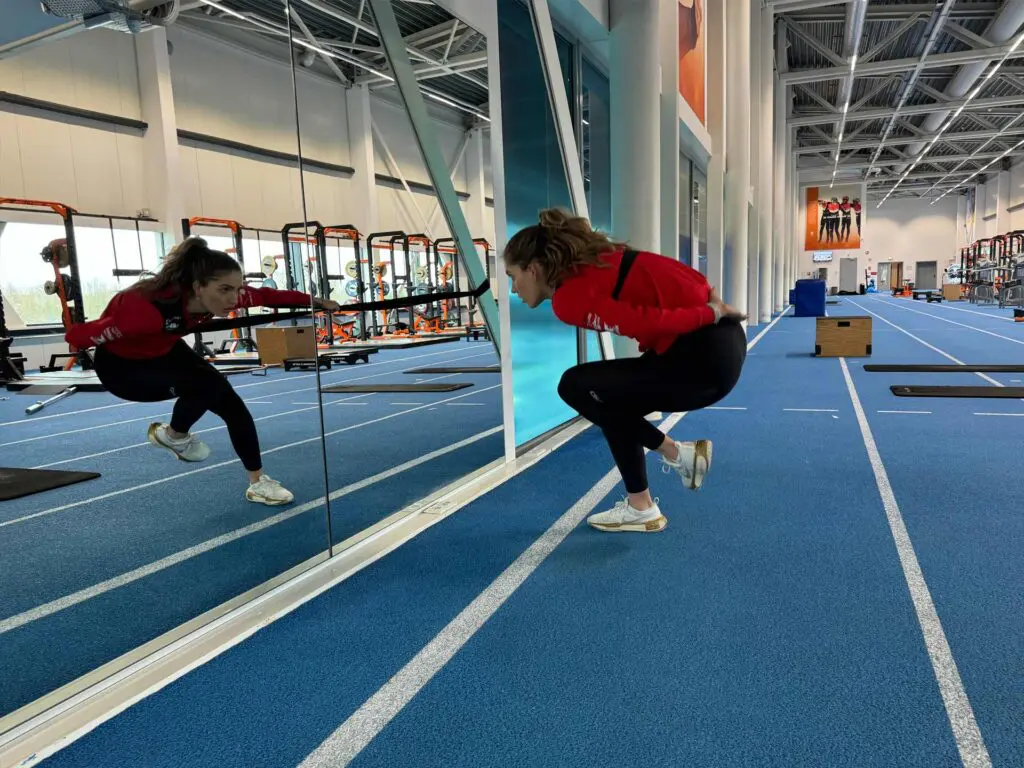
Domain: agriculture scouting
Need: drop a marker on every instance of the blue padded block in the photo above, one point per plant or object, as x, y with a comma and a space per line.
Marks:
810, 298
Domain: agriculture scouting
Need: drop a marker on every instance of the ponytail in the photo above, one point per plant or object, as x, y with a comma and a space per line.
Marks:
561, 243
190, 261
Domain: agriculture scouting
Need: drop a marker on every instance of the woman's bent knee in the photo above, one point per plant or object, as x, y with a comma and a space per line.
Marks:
571, 386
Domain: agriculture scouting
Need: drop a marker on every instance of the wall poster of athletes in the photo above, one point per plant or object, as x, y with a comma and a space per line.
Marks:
834, 218
692, 31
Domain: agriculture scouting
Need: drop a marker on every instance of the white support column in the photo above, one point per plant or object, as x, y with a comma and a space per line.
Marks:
668, 45
757, 197
1003, 202
796, 220
360, 142
779, 196
635, 84
161, 158
766, 184
476, 210
453, 172
717, 86
737, 153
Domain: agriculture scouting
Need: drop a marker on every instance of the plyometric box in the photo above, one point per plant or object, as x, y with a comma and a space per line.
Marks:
843, 337
279, 344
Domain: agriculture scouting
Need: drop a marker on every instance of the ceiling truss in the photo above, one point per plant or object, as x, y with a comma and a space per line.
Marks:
912, 128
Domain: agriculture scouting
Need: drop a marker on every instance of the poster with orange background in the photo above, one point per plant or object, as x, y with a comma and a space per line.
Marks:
833, 218
692, 33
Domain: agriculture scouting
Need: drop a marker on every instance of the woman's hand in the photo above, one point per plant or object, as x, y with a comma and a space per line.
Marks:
326, 304
725, 310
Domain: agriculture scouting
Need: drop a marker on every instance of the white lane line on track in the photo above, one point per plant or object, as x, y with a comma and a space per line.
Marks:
953, 322
342, 746
271, 380
160, 481
932, 347
311, 406
62, 603
352, 736
968, 736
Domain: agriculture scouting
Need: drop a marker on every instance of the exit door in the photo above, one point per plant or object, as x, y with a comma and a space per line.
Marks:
927, 276
848, 275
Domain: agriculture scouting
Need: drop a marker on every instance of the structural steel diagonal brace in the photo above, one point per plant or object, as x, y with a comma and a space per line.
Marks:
408, 87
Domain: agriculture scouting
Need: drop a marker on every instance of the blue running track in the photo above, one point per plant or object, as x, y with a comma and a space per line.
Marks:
771, 623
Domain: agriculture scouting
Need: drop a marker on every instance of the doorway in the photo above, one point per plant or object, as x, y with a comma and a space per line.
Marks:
896, 275
883, 277
848, 276
927, 274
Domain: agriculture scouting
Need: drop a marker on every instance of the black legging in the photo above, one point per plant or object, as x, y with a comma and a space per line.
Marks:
199, 387
698, 370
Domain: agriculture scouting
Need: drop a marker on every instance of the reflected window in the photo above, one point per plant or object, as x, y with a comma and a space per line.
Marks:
542, 347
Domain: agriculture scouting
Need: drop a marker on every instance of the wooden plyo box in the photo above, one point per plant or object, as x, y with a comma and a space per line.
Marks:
951, 291
843, 337
277, 344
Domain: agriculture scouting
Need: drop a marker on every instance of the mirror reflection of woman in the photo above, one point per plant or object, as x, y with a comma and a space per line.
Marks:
141, 357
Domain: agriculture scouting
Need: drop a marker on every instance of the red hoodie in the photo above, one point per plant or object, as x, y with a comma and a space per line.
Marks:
661, 300
142, 328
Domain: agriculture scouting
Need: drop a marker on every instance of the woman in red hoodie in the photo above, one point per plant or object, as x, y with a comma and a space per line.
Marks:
140, 355
693, 347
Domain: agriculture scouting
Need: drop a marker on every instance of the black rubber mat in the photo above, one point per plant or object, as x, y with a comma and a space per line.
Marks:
470, 369
885, 368
1002, 393
16, 482
394, 388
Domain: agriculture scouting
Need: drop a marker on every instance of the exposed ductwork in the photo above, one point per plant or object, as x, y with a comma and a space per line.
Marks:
855, 12
935, 25
1003, 27
132, 16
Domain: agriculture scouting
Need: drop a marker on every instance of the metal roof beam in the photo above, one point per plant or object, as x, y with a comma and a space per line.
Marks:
966, 36
816, 44
874, 141
873, 68
917, 109
312, 39
892, 38
896, 12
931, 159
327, 9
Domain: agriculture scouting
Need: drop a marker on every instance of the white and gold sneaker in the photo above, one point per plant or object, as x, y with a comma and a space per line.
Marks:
268, 491
693, 463
622, 517
188, 448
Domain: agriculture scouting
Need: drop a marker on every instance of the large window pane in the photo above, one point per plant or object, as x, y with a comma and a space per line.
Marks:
542, 347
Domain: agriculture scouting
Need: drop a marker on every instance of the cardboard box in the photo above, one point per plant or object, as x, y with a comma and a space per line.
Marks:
843, 337
275, 345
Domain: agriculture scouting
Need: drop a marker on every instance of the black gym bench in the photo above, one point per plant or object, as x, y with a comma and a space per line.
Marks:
929, 294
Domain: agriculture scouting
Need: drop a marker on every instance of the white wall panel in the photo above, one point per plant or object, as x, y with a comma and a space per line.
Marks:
90, 70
